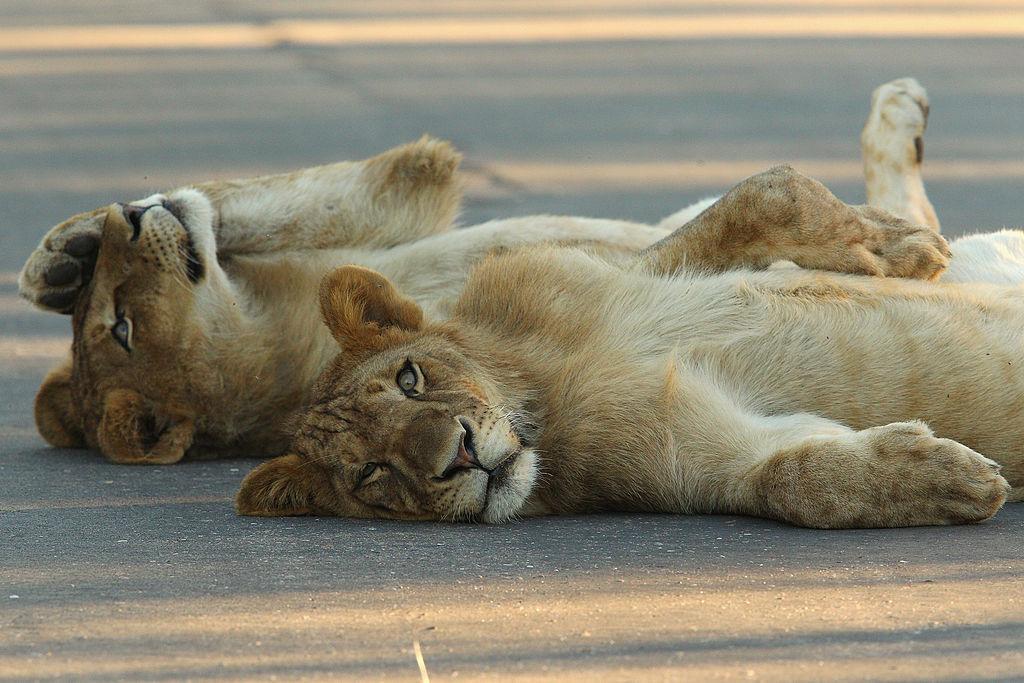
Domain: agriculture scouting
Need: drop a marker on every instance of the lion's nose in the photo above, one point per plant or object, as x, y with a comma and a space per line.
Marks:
465, 454
133, 214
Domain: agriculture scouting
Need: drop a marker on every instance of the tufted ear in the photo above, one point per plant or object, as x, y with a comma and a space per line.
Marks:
363, 309
56, 418
284, 487
135, 431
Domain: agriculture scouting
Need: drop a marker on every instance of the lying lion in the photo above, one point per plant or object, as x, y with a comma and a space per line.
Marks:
563, 383
193, 328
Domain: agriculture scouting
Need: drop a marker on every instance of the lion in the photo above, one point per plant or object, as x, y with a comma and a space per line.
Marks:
192, 328
193, 331
567, 383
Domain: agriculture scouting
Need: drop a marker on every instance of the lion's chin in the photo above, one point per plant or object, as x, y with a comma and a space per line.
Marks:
510, 487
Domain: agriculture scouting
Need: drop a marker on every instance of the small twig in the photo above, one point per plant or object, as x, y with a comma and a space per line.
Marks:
424, 676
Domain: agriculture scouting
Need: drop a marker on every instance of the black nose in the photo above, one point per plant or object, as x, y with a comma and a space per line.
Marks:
133, 214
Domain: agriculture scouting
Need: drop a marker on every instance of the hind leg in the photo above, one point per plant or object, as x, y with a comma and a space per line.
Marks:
892, 146
402, 195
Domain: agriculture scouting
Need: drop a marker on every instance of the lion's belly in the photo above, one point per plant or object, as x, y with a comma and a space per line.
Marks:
870, 356
858, 351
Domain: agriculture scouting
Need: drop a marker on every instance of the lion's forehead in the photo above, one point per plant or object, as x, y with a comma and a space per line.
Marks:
343, 430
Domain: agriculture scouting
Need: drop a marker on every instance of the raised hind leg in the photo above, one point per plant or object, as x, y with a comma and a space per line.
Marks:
892, 146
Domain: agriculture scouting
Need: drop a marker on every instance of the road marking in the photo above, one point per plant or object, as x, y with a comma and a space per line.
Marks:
34, 346
541, 177
943, 23
120, 501
546, 7
667, 175
11, 304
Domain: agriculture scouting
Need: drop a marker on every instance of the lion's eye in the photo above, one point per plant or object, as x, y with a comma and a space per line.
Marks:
408, 379
122, 331
367, 471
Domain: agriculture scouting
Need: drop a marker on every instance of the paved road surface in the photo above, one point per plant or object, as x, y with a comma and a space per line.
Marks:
110, 572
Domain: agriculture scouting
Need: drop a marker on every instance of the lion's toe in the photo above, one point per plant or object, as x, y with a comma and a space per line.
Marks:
967, 485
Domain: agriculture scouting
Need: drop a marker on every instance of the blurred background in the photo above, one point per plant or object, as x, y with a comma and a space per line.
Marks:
600, 107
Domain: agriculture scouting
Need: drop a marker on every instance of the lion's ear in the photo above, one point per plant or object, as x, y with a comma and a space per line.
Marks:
283, 487
56, 418
134, 431
361, 307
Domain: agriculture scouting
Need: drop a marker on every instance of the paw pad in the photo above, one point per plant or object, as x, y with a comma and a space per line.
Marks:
62, 274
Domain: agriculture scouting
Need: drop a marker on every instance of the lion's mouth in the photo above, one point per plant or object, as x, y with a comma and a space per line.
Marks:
194, 267
498, 477
175, 210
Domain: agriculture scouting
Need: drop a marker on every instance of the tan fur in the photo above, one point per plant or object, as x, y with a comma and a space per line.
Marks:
244, 338
892, 146
369, 306
404, 194
584, 386
133, 432
781, 214
54, 409
235, 353
293, 486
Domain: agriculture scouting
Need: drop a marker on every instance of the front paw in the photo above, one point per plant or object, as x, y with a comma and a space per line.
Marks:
900, 249
927, 480
63, 263
892, 247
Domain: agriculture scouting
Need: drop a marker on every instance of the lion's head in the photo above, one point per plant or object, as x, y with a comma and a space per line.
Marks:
408, 423
125, 390
181, 347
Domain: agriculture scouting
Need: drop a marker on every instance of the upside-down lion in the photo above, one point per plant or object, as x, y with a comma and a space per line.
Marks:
193, 318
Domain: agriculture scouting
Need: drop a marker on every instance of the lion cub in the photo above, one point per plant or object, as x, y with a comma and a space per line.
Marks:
566, 384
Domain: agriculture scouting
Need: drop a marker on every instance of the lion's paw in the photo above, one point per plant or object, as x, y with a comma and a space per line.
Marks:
428, 161
929, 480
63, 263
893, 247
894, 131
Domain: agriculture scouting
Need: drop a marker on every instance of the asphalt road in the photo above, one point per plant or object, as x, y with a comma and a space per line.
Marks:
111, 572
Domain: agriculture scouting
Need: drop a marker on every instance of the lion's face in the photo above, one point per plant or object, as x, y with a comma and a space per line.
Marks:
135, 331
404, 425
